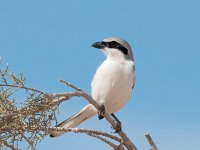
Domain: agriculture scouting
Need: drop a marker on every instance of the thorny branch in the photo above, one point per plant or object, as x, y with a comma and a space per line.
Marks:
31, 121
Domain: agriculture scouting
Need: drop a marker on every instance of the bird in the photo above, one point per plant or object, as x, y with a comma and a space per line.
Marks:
112, 83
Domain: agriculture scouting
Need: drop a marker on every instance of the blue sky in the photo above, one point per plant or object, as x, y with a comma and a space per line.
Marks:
50, 40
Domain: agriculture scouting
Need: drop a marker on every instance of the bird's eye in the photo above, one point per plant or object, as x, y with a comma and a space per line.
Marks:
113, 44
116, 45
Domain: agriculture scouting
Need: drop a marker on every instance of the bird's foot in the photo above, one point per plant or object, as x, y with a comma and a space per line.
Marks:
101, 111
118, 125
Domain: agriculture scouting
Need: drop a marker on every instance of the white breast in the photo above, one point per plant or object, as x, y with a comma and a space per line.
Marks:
112, 84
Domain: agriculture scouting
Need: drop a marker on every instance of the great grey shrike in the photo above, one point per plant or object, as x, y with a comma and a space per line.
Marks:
112, 82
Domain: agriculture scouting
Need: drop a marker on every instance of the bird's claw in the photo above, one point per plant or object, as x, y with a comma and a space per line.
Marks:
118, 125
101, 111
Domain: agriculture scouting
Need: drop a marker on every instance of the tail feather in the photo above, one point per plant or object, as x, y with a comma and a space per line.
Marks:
75, 120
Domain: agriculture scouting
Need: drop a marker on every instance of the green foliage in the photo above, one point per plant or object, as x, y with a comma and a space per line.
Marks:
25, 123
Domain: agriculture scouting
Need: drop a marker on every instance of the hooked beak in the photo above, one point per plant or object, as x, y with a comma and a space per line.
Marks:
99, 45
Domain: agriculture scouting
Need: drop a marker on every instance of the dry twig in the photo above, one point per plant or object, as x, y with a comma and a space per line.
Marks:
151, 142
3, 142
126, 141
32, 121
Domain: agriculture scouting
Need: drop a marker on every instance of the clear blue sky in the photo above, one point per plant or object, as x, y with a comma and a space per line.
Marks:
50, 40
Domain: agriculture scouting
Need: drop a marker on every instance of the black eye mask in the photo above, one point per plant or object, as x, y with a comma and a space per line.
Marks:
116, 45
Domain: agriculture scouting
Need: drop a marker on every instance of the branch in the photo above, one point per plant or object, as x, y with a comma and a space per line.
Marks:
93, 133
7, 144
40, 109
126, 141
23, 87
80, 130
151, 142
29, 142
70, 85
103, 139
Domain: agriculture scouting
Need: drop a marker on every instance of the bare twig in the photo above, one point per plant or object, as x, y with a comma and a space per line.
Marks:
70, 85
151, 142
8, 145
126, 141
120, 147
29, 142
114, 146
80, 130
94, 133
45, 102
23, 87
60, 97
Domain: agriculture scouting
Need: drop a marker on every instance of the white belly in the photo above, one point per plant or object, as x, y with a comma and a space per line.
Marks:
112, 84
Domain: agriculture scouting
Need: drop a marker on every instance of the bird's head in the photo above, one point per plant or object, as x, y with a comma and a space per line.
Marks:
115, 48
